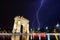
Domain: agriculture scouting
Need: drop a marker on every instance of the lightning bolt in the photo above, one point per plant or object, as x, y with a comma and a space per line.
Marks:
36, 15
37, 12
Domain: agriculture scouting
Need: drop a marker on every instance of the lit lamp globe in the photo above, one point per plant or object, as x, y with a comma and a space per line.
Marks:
38, 29
57, 25
47, 29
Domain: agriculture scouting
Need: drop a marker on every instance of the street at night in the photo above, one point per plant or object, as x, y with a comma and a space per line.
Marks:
41, 18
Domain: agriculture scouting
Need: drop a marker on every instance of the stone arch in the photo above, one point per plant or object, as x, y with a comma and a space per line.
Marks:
18, 21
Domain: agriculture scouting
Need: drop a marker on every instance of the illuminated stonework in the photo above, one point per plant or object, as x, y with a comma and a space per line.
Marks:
18, 21
25, 24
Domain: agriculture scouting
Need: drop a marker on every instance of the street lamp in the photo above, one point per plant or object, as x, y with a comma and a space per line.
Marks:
57, 25
46, 28
38, 28
48, 36
31, 34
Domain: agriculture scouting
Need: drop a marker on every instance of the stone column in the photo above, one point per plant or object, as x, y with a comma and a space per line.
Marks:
25, 32
16, 28
25, 24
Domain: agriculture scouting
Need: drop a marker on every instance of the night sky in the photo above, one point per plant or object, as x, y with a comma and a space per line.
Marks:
40, 12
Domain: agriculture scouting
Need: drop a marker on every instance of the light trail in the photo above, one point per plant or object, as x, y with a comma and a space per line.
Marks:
48, 37
28, 34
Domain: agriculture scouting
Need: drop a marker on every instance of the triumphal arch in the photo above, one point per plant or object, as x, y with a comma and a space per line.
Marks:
18, 23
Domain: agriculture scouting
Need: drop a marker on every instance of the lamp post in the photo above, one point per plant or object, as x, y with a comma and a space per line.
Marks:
57, 26
39, 31
48, 36
31, 34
